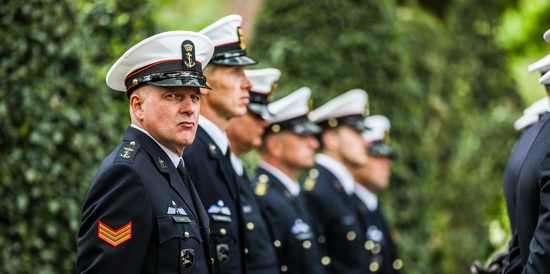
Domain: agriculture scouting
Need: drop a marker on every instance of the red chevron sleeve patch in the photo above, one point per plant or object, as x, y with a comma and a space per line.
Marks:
112, 236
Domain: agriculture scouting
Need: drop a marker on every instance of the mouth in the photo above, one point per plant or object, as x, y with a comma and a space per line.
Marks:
245, 99
187, 124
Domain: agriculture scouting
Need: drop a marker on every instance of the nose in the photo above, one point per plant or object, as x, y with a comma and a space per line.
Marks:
188, 105
313, 142
263, 123
247, 84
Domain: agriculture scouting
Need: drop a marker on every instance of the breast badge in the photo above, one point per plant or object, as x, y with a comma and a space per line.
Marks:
174, 209
301, 230
223, 252
220, 212
187, 258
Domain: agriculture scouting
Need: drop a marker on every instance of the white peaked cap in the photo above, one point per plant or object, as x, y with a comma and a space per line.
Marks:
542, 65
263, 79
224, 31
377, 126
547, 36
532, 113
545, 79
291, 106
352, 102
151, 53
228, 39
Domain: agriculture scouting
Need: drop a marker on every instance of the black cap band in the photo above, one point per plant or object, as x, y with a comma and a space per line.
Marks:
185, 72
299, 125
380, 149
355, 121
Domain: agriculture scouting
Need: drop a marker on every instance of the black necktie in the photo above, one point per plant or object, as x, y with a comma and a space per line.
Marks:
183, 174
228, 154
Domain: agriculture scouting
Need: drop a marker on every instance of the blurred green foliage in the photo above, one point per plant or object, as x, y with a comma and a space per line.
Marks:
59, 120
444, 84
446, 75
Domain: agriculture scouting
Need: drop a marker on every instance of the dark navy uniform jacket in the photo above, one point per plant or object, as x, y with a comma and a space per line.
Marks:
217, 185
339, 220
379, 243
292, 226
260, 252
514, 165
530, 250
138, 216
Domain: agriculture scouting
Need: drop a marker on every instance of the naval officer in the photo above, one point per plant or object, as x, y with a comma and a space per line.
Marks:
288, 150
141, 213
245, 133
208, 157
371, 178
529, 251
330, 184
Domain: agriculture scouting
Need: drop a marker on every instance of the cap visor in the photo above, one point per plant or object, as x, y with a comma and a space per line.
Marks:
180, 82
379, 149
235, 61
260, 109
306, 128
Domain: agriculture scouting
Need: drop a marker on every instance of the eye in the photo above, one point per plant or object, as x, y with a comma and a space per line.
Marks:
195, 97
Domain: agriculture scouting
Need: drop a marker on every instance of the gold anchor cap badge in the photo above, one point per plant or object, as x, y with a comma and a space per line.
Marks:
188, 53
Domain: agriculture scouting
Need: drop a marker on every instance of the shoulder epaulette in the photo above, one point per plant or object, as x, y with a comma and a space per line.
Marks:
127, 151
261, 186
311, 179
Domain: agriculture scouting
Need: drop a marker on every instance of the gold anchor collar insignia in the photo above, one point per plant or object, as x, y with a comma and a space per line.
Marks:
127, 151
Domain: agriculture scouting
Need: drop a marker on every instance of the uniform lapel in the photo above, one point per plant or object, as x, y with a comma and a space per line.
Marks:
215, 153
163, 164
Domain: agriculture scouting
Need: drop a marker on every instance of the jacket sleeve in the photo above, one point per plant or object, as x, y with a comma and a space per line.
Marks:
539, 247
116, 223
514, 258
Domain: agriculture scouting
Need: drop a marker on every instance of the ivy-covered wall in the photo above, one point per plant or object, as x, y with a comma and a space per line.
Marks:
443, 83
59, 119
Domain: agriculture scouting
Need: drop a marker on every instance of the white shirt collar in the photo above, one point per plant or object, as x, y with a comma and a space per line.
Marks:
219, 136
340, 171
172, 155
292, 186
368, 198
237, 164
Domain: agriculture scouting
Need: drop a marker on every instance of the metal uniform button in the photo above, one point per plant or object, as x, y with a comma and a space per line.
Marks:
374, 266
246, 251
284, 268
376, 249
223, 231
263, 178
132, 143
212, 260
350, 235
325, 260
277, 243
321, 239
185, 234
397, 264
250, 225
306, 244
369, 245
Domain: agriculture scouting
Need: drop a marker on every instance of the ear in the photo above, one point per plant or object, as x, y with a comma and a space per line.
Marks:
274, 145
204, 91
330, 139
136, 105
